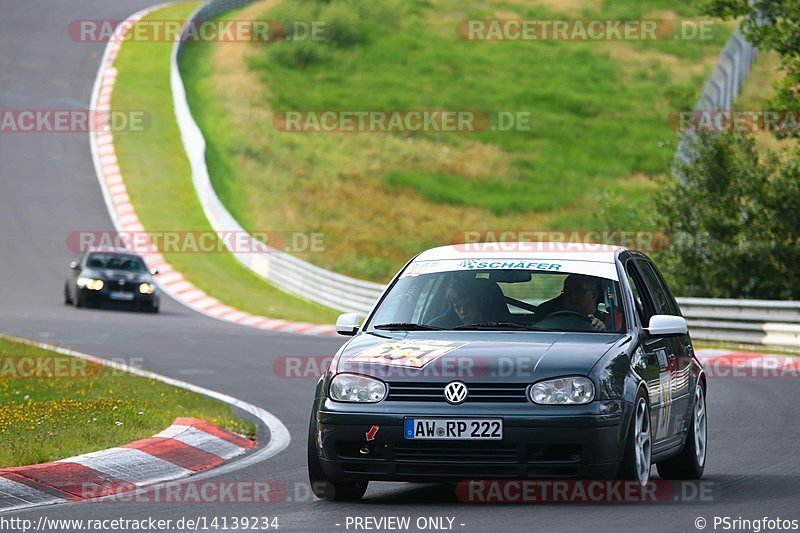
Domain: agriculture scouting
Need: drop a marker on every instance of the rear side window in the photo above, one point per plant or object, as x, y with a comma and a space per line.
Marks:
643, 306
664, 304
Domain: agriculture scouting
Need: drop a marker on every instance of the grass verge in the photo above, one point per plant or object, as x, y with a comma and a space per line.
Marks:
53, 406
600, 123
159, 181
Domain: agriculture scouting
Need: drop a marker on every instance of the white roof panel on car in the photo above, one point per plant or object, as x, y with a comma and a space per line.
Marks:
543, 251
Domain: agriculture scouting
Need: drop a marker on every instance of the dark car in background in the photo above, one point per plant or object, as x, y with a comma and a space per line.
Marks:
117, 277
520, 364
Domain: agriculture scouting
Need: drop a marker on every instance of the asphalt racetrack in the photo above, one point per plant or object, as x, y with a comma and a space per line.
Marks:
48, 188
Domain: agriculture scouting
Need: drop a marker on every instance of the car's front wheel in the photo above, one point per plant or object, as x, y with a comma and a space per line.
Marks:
324, 488
149, 308
67, 297
691, 462
636, 462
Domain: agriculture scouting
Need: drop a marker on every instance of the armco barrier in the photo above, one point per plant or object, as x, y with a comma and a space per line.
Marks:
758, 322
723, 85
283, 270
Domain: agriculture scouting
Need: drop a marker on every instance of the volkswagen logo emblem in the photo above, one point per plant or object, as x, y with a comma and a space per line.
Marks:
455, 392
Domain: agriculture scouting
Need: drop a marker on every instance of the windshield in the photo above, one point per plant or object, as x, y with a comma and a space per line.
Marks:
126, 262
545, 297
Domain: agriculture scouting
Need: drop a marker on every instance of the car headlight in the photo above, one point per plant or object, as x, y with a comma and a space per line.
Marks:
355, 388
147, 288
91, 284
563, 391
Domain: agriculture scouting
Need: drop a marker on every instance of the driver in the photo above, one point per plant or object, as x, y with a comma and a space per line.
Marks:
581, 294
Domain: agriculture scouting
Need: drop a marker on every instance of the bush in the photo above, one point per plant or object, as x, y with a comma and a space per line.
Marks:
733, 223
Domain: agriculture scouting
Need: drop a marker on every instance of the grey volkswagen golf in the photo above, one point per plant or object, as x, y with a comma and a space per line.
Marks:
538, 360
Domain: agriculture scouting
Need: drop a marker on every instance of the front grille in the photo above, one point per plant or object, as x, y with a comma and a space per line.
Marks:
474, 452
405, 391
450, 459
126, 286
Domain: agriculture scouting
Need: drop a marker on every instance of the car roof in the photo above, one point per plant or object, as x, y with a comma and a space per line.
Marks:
561, 251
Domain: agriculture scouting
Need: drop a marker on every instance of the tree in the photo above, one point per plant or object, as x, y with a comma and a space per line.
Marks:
734, 223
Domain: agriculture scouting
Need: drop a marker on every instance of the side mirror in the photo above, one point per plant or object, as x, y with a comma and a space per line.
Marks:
347, 324
73, 265
667, 325
154, 271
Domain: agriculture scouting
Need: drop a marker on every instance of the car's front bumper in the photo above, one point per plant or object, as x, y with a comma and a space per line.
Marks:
139, 300
547, 442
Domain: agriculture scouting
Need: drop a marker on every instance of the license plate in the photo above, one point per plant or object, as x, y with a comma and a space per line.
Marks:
119, 295
454, 428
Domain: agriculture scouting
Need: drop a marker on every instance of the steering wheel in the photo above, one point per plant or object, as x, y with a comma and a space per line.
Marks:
569, 320
567, 312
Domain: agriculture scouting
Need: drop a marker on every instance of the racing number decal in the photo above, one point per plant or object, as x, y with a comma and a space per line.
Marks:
414, 354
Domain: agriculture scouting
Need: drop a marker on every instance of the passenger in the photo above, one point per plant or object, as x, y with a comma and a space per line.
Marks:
465, 296
473, 301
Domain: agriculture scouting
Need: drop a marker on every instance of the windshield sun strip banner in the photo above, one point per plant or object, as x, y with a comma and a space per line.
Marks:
589, 268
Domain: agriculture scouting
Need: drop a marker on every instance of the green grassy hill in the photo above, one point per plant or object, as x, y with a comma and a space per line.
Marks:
599, 123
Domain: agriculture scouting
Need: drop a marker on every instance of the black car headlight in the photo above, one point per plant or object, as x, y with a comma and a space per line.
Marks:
356, 388
574, 390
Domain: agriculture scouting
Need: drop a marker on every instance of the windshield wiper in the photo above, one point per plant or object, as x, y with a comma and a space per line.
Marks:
492, 325
406, 326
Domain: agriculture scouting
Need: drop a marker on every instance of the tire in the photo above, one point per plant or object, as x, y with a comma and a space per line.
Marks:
67, 297
324, 488
637, 460
691, 462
